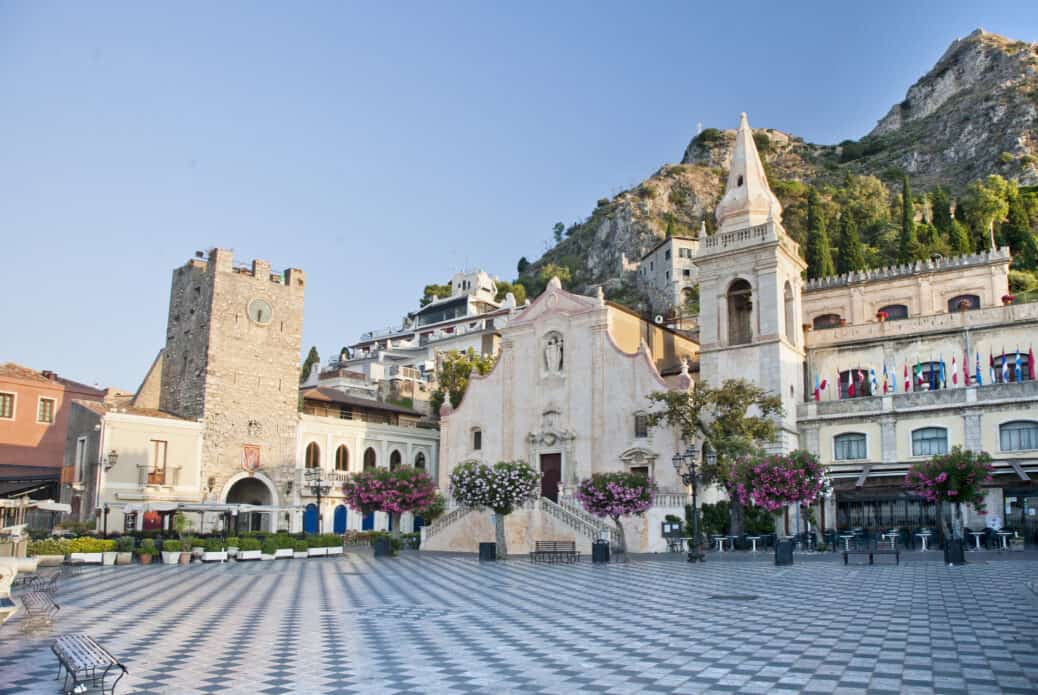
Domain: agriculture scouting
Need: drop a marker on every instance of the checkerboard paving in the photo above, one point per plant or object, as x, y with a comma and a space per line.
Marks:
448, 624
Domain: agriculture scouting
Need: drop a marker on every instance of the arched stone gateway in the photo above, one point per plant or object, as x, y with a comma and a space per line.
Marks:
251, 490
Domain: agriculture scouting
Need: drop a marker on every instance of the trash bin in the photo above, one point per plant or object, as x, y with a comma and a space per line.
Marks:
488, 551
955, 551
783, 552
600, 551
383, 547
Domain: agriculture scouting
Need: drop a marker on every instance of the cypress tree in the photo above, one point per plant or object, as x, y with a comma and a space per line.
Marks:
851, 254
311, 358
819, 254
908, 249
959, 238
940, 201
1016, 233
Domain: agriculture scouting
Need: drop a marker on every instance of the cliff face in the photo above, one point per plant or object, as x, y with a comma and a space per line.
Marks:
974, 114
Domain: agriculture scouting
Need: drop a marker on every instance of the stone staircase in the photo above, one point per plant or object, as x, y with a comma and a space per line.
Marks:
568, 511
444, 522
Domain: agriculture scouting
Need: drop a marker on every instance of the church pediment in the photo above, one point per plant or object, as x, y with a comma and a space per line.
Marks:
638, 456
554, 301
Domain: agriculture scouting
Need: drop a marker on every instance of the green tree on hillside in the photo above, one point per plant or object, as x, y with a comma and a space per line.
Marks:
959, 238
452, 375
986, 204
909, 249
557, 230
1016, 233
516, 288
522, 265
433, 292
819, 253
940, 203
851, 254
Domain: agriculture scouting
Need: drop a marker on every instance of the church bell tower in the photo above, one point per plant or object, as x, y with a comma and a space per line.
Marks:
750, 287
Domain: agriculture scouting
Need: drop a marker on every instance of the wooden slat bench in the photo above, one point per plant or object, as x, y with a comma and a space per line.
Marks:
554, 551
86, 664
872, 553
40, 610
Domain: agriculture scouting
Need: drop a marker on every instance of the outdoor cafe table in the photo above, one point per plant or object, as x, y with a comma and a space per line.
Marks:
720, 542
924, 536
976, 538
753, 539
892, 536
847, 540
1004, 535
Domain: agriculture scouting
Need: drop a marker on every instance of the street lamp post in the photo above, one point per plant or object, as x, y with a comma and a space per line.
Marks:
318, 486
685, 466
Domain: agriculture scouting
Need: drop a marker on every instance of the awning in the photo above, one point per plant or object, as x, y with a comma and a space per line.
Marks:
43, 505
203, 507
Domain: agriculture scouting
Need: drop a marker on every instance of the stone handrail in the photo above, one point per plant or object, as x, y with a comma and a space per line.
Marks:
571, 505
672, 499
594, 531
444, 521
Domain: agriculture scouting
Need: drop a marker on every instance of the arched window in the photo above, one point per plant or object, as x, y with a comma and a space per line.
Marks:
313, 455
856, 383
740, 313
1018, 435
825, 321
849, 446
929, 441
477, 439
419, 461
894, 312
791, 328
1011, 373
964, 302
342, 458
394, 460
369, 459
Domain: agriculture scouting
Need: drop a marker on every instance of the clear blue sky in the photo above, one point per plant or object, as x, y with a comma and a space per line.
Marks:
381, 146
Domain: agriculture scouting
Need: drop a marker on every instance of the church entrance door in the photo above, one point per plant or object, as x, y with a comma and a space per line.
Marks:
551, 474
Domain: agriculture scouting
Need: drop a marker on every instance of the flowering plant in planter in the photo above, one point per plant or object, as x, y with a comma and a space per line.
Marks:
614, 495
772, 481
882, 316
405, 489
1008, 299
501, 487
956, 478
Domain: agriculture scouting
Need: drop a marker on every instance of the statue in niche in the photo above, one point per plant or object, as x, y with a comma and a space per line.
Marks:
553, 353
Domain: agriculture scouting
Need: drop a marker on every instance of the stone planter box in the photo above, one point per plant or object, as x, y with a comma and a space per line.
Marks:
170, 558
283, 552
249, 554
197, 553
89, 558
232, 551
124, 558
300, 555
267, 557
50, 560
335, 550
316, 552
214, 556
109, 558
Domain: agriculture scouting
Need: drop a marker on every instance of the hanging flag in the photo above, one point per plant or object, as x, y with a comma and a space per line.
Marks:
822, 386
818, 389
979, 380
886, 386
850, 384
955, 373
873, 384
893, 378
942, 378
965, 369
908, 383
991, 366
1030, 364
1019, 372
918, 373
1005, 367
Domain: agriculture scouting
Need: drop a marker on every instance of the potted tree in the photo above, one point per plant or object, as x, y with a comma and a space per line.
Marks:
249, 549
501, 488
170, 552
955, 478
146, 551
124, 550
614, 495
395, 492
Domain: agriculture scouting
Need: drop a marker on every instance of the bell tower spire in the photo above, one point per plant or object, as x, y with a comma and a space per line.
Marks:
748, 200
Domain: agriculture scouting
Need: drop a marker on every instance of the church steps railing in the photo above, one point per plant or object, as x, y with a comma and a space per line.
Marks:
672, 499
593, 530
444, 521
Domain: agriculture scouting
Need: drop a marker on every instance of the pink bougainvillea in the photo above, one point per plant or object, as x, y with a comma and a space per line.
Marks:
957, 476
776, 480
616, 494
405, 489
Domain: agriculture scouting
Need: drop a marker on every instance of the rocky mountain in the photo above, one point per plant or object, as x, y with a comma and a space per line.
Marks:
974, 114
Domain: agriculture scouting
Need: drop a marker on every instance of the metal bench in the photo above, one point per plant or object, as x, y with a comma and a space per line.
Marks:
86, 664
554, 551
40, 610
872, 553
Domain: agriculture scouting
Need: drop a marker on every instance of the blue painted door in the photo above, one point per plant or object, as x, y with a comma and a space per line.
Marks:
310, 519
368, 524
339, 521
419, 522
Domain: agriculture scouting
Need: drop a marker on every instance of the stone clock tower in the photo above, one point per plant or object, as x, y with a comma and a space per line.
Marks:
232, 360
750, 288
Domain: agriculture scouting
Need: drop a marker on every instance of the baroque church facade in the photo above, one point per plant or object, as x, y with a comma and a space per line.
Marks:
876, 370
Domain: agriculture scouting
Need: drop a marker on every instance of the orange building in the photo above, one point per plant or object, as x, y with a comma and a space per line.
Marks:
34, 410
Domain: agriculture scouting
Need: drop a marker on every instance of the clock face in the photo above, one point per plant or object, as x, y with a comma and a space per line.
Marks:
260, 311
